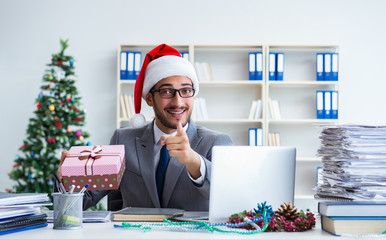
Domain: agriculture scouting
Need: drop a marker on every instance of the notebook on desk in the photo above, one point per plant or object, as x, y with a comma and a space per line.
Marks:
243, 176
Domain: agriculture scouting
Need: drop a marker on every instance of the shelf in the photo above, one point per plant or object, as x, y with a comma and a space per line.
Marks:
305, 196
230, 95
228, 121
308, 159
303, 121
233, 83
303, 83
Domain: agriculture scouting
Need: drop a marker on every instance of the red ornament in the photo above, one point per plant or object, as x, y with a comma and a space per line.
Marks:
58, 125
60, 63
69, 99
77, 119
51, 140
74, 109
16, 165
24, 146
38, 105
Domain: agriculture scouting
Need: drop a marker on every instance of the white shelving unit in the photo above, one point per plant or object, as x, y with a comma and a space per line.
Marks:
230, 94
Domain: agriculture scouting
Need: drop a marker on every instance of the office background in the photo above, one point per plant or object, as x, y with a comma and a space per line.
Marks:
30, 33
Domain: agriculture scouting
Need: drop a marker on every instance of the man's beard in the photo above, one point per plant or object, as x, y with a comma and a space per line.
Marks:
163, 119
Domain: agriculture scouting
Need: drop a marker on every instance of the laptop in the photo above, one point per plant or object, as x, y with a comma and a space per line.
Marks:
243, 176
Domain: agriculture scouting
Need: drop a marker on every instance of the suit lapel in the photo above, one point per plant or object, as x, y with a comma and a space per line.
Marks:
145, 150
175, 168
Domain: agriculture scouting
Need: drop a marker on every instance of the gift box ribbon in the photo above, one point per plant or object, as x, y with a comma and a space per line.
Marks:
91, 156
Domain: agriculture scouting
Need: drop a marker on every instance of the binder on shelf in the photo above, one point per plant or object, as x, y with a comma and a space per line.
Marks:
252, 66
130, 66
327, 104
279, 66
334, 66
252, 111
334, 104
256, 109
185, 55
123, 106
259, 66
319, 176
259, 137
319, 104
272, 66
252, 136
137, 63
319, 67
123, 65
259, 109
327, 67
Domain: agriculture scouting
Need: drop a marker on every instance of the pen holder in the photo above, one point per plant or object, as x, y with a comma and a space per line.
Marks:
68, 211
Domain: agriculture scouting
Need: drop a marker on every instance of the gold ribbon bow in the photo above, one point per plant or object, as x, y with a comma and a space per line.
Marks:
93, 153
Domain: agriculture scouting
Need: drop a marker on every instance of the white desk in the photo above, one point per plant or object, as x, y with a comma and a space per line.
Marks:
107, 231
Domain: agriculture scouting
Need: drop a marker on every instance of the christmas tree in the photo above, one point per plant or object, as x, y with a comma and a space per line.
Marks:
56, 126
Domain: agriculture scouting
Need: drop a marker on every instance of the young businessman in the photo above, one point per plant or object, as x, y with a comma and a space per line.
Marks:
168, 84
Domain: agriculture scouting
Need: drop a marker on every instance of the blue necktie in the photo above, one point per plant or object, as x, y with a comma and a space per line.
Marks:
161, 170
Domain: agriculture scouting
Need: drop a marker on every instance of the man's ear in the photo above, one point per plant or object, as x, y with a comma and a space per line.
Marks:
149, 99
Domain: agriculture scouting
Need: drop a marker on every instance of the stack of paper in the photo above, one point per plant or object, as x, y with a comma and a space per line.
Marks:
354, 162
22, 211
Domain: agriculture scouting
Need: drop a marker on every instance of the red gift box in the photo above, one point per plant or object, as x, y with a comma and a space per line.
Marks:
101, 167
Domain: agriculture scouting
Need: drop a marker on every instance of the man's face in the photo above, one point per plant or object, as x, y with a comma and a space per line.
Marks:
170, 111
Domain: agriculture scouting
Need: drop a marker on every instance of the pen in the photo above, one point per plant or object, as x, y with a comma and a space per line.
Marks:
84, 188
60, 183
72, 187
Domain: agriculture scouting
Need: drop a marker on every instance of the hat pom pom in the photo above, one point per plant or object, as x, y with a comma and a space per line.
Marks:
138, 120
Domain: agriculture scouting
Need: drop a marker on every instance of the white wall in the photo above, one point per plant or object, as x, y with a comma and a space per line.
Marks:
30, 32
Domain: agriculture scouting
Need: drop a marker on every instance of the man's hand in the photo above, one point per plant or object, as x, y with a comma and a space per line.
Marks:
179, 147
64, 155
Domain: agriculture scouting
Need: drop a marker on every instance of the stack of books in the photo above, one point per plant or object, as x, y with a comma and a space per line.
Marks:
353, 172
353, 218
22, 211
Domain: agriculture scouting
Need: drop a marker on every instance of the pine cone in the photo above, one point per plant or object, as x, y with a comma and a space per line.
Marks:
289, 212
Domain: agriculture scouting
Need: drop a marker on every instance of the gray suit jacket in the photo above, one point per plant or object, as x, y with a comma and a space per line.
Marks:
138, 186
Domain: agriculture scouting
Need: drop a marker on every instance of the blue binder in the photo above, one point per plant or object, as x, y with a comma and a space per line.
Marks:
272, 66
334, 104
123, 65
319, 67
137, 63
327, 104
259, 66
327, 67
130, 66
334, 66
252, 137
319, 104
279, 66
252, 65
185, 55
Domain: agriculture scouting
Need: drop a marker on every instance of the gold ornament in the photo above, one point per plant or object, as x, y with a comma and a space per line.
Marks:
56, 119
52, 107
288, 211
81, 138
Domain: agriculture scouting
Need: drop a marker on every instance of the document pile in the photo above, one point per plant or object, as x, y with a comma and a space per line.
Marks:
354, 162
22, 211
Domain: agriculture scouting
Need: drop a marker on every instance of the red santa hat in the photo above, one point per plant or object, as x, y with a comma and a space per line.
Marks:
161, 62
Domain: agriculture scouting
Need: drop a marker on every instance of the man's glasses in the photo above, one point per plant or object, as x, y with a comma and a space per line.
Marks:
171, 92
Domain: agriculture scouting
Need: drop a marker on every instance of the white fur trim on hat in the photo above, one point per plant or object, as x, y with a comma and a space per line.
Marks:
168, 66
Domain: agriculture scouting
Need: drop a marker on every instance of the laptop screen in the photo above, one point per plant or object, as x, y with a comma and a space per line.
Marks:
243, 176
